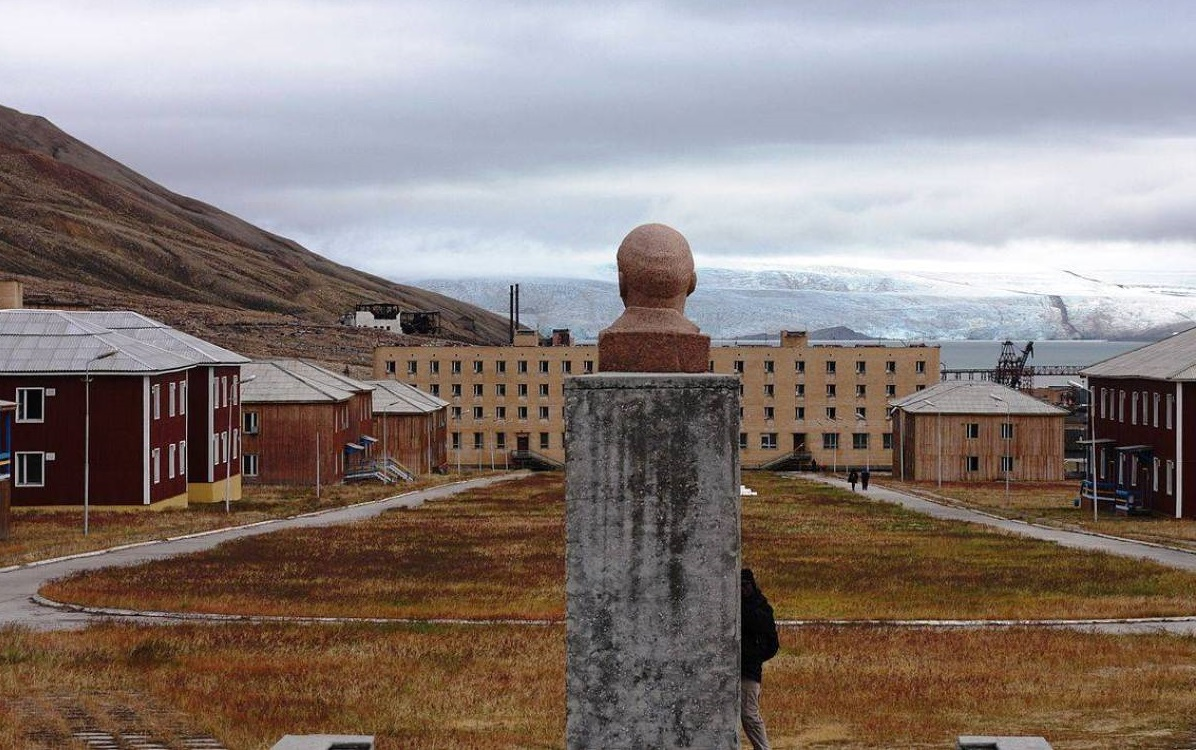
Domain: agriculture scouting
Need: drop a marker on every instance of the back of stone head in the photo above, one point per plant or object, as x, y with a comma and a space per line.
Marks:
656, 268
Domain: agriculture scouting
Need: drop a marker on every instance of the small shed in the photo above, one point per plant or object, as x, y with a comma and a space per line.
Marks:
965, 431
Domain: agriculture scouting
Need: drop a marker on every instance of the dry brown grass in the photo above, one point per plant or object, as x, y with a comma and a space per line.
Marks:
498, 552
1052, 503
40, 535
487, 688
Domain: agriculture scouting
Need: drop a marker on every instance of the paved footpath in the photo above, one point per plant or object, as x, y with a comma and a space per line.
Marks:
19, 584
1168, 556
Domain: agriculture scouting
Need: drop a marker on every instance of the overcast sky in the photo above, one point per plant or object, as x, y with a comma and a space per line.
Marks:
521, 138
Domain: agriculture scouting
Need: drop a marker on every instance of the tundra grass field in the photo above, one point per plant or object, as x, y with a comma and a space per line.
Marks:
818, 551
498, 552
42, 534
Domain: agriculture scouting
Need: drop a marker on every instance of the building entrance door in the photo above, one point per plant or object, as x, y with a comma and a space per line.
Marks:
521, 442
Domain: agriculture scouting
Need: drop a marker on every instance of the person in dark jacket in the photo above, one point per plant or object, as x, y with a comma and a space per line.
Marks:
853, 477
865, 475
757, 630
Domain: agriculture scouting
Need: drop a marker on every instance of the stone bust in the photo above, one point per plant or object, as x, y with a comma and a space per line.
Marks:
656, 274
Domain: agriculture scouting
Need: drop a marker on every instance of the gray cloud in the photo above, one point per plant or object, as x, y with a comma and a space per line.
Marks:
374, 130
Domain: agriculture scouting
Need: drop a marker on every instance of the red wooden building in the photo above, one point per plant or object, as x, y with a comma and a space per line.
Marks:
106, 407
303, 424
1142, 426
413, 426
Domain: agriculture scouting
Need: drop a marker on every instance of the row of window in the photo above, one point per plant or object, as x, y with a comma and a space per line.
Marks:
176, 401
832, 367
500, 413
500, 441
31, 402
1128, 467
971, 430
587, 366
500, 367
31, 465
1144, 407
860, 441
176, 461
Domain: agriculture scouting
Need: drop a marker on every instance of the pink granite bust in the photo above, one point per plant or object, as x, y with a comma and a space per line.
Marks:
656, 274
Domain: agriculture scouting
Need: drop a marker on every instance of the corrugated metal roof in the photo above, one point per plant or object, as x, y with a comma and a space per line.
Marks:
150, 331
393, 397
973, 397
295, 381
1173, 358
54, 341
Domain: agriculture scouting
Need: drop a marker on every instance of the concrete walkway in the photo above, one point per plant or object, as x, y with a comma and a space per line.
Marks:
19, 584
1168, 556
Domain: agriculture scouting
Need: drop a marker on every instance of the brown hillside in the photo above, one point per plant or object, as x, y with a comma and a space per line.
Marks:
80, 229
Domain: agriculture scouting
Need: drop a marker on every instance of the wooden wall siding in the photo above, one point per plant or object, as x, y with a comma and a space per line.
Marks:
1113, 422
1036, 447
286, 442
117, 440
165, 431
415, 440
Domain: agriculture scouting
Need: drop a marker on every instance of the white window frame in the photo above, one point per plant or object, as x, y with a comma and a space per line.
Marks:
183, 458
1007, 430
971, 464
183, 397
1157, 398
1170, 409
252, 422
249, 465
768, 441
971, 430
1006, 464
1170, 477
171, 459
1133, 407
156, 463
23, 402
172, 403
156, 400
21, 461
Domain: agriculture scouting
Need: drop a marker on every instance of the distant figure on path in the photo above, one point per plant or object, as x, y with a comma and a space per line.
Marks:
759, 644
865, 475
853, 477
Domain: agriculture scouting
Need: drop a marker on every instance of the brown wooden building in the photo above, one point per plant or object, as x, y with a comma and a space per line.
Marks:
1142, 421
412, 425
103, 409
303, 424
965, 431
7, 410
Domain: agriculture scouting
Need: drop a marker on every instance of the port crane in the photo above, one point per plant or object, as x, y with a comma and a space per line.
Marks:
1011, 366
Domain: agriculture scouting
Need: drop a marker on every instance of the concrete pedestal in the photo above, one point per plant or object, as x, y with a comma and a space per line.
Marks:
653, 557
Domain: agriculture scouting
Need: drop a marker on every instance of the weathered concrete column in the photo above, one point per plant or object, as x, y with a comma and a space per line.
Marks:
652, 560
652, 522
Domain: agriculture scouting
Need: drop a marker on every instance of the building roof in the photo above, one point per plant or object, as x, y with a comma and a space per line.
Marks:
1173, 358
393, 397
56, 342
974, 397
295, 381
149, 331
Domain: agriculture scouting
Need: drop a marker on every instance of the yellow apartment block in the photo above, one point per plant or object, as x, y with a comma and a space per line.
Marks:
803, 404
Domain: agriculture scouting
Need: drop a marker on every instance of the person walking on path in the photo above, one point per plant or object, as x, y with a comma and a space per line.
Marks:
758, 644
865, 475
853, 477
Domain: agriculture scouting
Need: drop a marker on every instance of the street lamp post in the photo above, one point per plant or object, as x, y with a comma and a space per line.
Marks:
1091, 445
228, 449
1007, 459
87, 438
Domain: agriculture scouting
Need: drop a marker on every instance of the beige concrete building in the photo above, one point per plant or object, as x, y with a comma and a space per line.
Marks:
802, 403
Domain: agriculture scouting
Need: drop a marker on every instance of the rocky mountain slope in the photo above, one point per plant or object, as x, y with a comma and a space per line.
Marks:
80, 229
